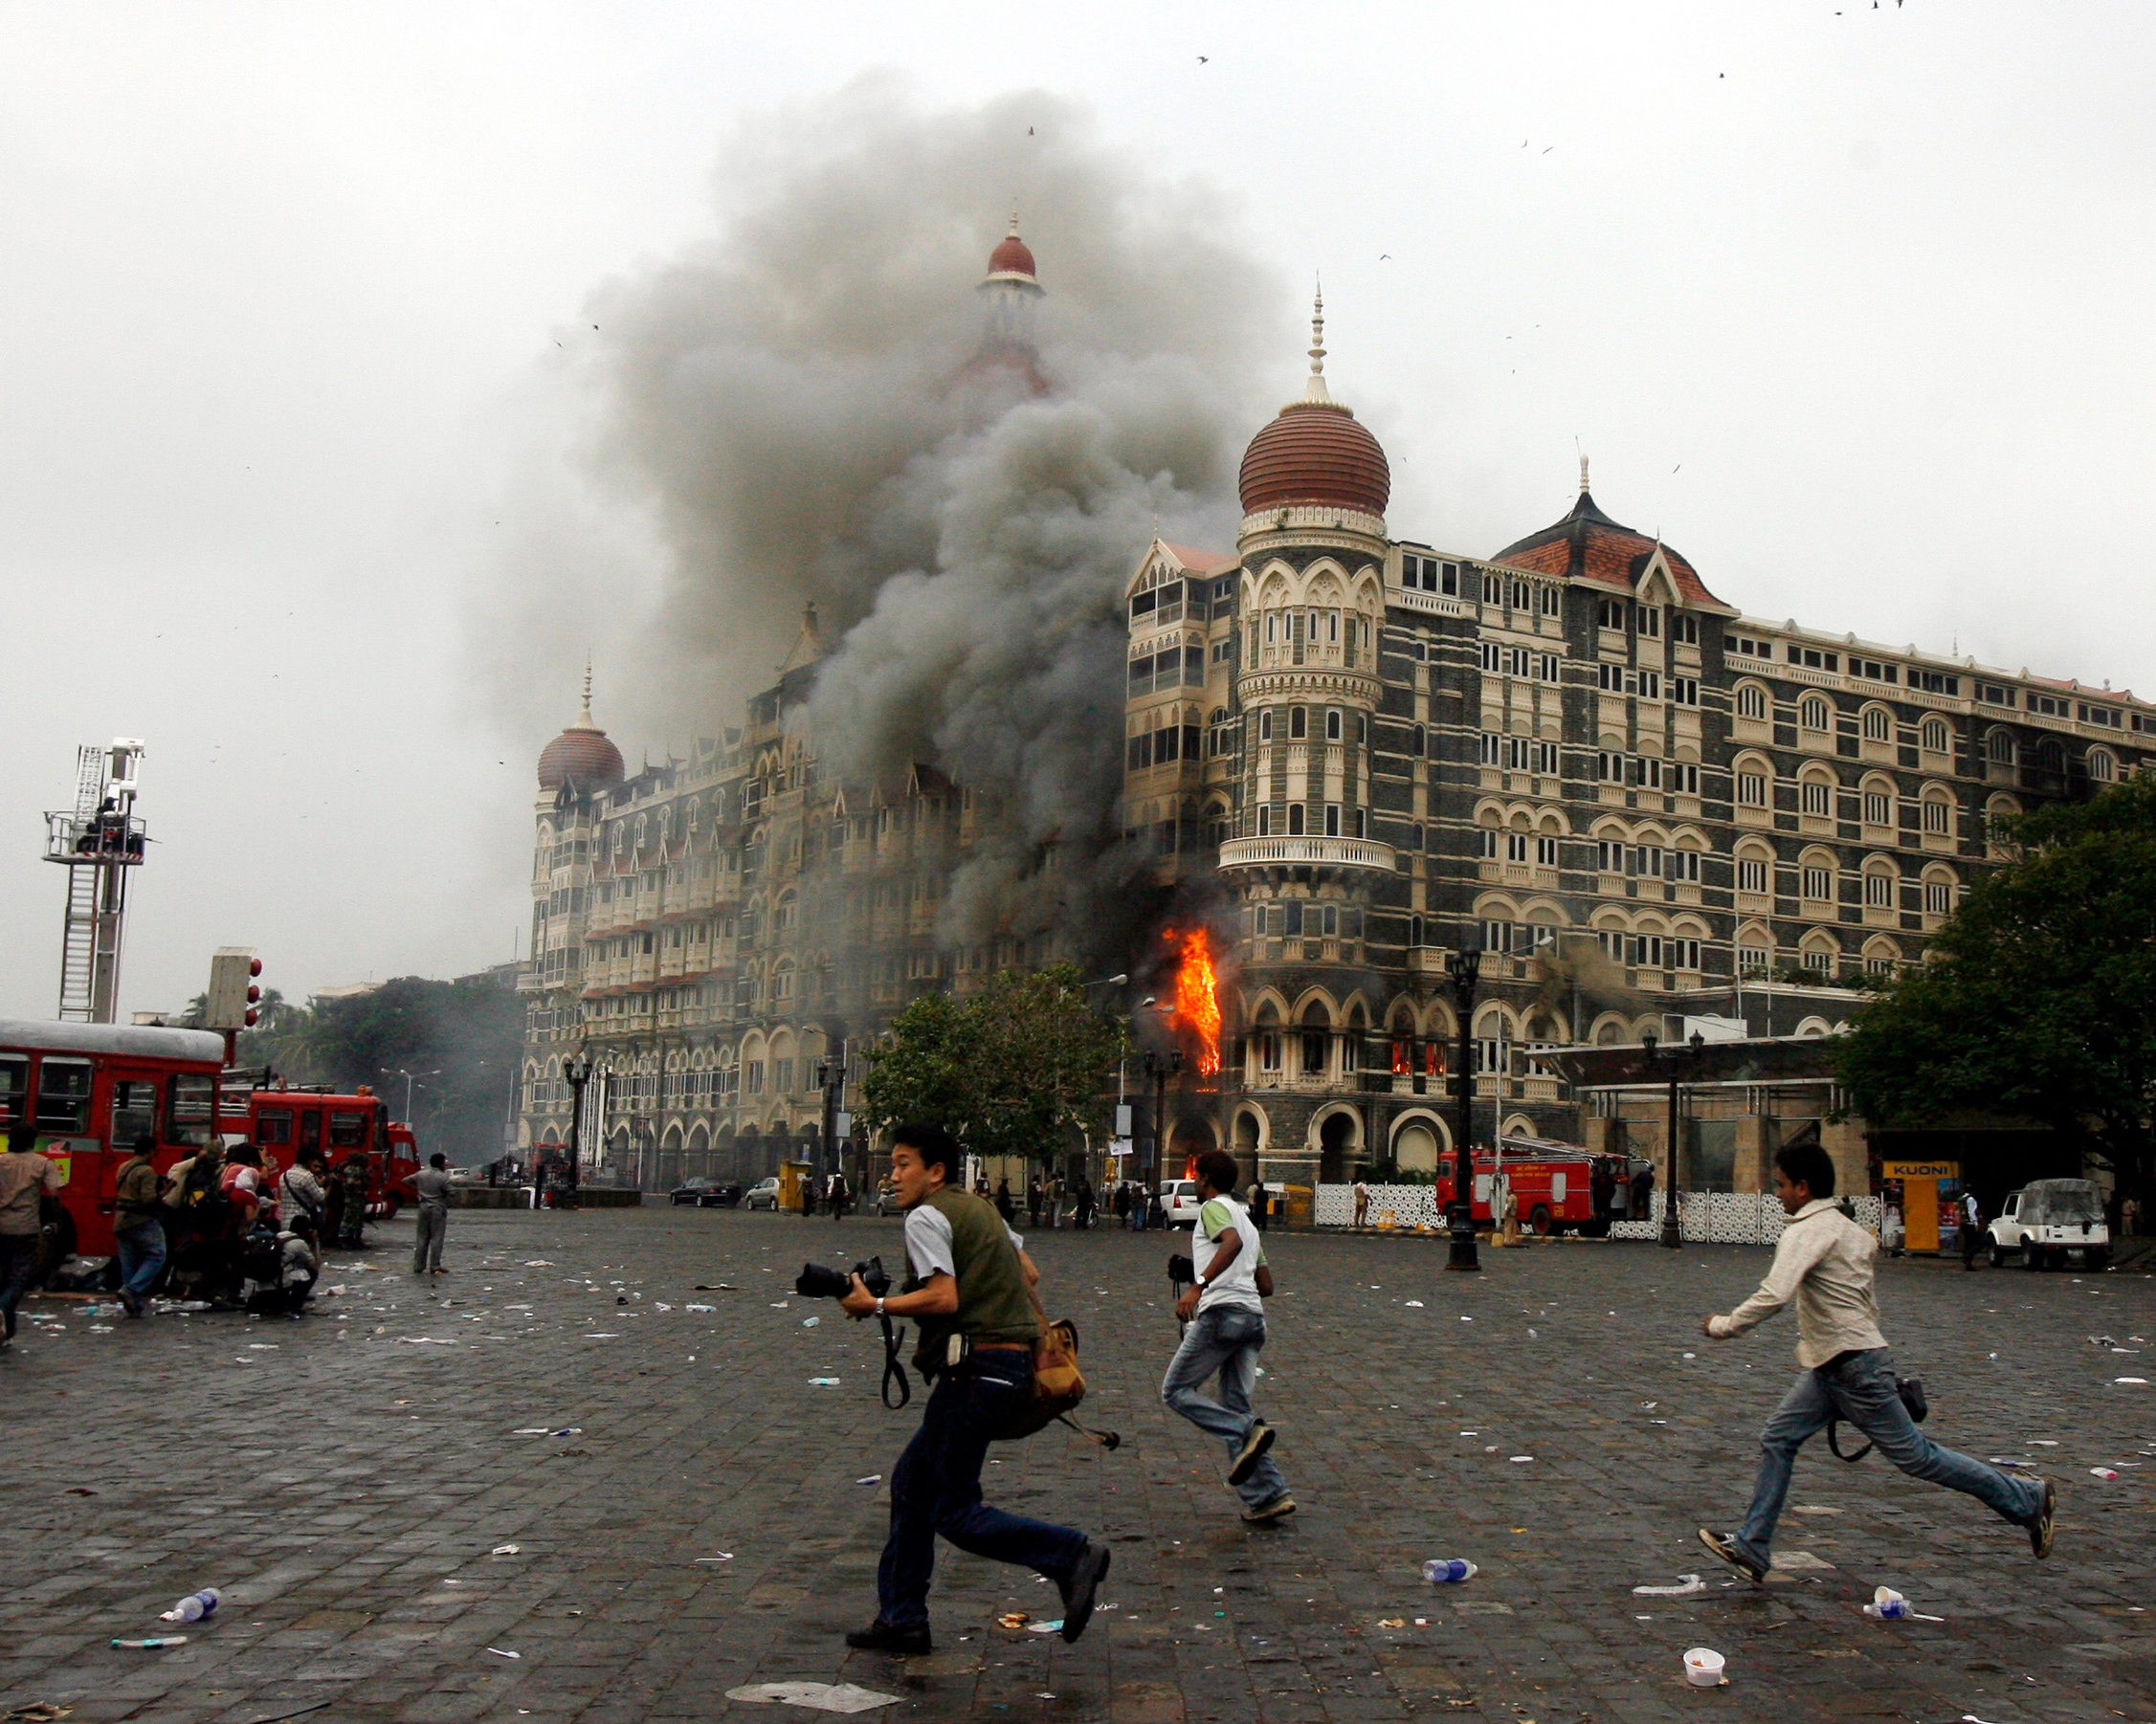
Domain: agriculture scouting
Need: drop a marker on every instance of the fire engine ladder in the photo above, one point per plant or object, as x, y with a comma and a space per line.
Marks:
97, 901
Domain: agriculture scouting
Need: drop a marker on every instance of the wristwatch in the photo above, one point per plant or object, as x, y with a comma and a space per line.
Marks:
880, 1307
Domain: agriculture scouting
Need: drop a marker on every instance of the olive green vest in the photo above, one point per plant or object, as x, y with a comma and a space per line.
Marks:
993, 1301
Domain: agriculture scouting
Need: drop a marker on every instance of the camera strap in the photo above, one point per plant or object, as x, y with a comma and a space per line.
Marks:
894, 1369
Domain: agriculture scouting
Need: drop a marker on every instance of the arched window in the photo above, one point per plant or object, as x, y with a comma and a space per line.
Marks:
1264, 820
1881, 881
1999, 746
2102, 768
1934, 736
1937, 807
1815, 794
1939, 891
1294, 819
1878, 801
1299, 721
1421, 742
1332, 725
1811, 713
1751, 700
1879, 724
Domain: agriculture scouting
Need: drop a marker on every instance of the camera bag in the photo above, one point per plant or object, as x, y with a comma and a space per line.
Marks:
1058, 1385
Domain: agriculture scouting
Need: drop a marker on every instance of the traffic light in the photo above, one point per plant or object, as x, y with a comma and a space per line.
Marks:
230, 1005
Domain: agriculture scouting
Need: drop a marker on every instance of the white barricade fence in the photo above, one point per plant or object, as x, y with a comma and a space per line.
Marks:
1704, 1217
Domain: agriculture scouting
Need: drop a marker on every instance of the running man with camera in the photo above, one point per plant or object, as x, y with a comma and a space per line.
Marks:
971, 1291
1824, 1263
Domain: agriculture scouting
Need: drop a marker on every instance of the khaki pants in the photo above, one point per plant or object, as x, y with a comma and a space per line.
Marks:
427, 1249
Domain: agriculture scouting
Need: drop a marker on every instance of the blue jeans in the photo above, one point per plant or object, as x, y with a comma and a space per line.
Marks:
18, 1262
1226, 1338
936, 1488
141, 1255
1860, 1390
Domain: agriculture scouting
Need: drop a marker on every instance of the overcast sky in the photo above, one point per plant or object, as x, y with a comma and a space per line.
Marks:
1849, 302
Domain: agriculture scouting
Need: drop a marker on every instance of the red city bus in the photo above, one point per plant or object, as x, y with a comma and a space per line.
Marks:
283, 1120
91, 1089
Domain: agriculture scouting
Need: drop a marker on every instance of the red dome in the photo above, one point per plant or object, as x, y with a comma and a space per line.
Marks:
1315, 453
1013, 257
582, 757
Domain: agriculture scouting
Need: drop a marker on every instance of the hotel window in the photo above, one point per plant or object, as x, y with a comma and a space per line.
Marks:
1879, 891
1935, 735
1493, 748
1684, 691
1819, 797
1609, 614
1486, 842
1751, 875
1294, 819
1516, 847
1878, 809
1813, 713
1421, 741
1332, 725
1752, 701
1682, 865
1938, 817
1818, 884
1684, 628
1299, 721
1650, 685
1998, 747
2101, 768
1332, 820
1879, 724
1684, 778
1755, 960
1938, 897
1265, 724
1650, 620
1751, 789
1608, 856
1684, 954
1545, 853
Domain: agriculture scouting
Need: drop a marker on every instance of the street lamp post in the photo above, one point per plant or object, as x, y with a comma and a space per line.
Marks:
1465, 967
1673, 1231
1160, 1067
576, 1073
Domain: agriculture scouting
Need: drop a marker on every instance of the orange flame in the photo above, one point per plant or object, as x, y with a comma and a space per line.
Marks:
1197, 997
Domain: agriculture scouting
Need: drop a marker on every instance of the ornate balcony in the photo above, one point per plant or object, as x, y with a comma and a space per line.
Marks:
1306, 853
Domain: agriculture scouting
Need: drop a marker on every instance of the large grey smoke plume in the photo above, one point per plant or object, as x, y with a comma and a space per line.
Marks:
790, 402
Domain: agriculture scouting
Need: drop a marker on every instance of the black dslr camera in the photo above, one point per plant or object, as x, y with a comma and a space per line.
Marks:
816, 1282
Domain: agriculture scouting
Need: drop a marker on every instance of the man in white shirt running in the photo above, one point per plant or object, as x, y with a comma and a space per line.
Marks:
1823, 1262
1226, 1333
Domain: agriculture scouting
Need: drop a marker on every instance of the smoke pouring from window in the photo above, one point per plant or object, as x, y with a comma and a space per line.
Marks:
791, 411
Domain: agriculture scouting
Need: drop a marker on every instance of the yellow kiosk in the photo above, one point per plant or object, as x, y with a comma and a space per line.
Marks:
792, 1176
1929, 1195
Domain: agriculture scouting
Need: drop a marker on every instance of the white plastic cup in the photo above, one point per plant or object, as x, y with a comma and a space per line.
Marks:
1887, 1604
1443, 1570
1702, 1668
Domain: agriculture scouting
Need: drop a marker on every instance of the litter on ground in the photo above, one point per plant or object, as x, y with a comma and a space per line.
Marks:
818, 1696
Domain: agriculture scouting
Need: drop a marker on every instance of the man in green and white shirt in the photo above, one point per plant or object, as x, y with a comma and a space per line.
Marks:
1226, 1314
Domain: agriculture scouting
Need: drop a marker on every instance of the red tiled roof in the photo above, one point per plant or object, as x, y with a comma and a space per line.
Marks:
1319, 452
581, 758
1201, 563
1587, 546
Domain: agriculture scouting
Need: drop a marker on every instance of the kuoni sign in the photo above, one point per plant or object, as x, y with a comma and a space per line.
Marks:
1929, 1190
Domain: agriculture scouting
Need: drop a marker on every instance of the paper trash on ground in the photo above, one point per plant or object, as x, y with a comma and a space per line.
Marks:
819, 1697
1686, 1585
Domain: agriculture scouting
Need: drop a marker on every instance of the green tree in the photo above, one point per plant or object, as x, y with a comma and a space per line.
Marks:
2040, 996
459, 1038
1009, 1071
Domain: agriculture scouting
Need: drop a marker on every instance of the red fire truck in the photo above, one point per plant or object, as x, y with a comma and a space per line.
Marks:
281, 1120
1552, 1183
91, 1089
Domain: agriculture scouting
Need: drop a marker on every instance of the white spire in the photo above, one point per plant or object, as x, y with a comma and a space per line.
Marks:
1583, 475
583, 713
1314, 389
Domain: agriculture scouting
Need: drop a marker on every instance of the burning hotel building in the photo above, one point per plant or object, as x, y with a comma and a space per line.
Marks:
1349, 757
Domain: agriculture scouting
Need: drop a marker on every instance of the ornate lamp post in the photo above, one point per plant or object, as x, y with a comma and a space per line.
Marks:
1160, 1067
1676, 1060
576, 1073
1465, 967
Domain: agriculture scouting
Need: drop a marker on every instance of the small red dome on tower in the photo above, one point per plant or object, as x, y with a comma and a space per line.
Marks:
1315, 453
581, 757
1013, 257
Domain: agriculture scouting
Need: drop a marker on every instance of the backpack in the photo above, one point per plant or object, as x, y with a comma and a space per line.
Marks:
1058, 1386
262, 1258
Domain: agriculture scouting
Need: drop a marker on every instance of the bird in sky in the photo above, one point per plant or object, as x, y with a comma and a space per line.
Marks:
1203, 57
1382, 256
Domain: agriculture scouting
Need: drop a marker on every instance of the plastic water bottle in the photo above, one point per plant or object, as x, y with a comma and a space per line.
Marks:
195, 1606
1441, 1570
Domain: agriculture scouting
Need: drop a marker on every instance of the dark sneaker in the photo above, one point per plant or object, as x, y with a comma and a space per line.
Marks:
1279, 1508
1727, 1548
133, 1305
1080, 1585
1252, 1450
2041, 1528
903, 1640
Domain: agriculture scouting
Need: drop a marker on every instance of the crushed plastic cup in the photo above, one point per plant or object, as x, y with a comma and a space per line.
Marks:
2104, 1472
1887, 1604
194, 1608
1702, 1668
1442, 1571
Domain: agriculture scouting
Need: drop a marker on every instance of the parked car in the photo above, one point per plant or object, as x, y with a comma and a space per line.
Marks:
886, 1199
704, 1194
763, 1195
2048, 1218
467, 1175
1180, 1199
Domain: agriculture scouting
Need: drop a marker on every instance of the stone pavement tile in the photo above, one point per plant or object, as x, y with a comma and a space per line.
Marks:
356, 1475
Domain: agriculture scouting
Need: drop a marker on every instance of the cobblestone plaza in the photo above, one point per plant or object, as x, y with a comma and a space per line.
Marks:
692, 1514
